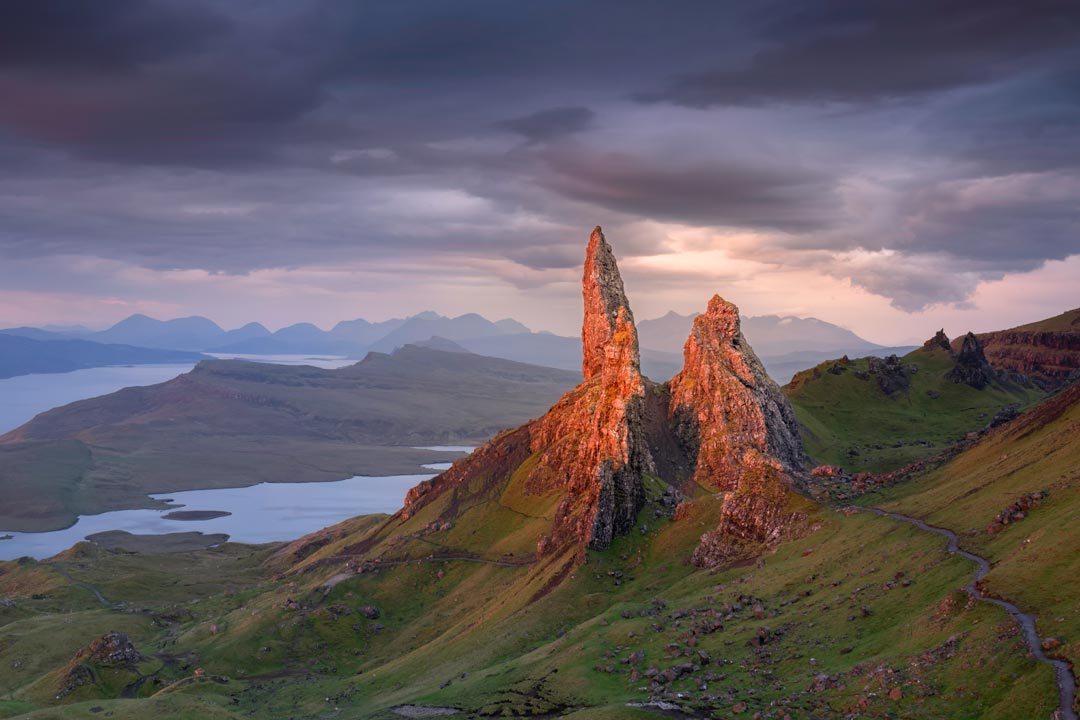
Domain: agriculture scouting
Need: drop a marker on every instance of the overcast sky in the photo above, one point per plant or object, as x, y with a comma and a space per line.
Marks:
893, 167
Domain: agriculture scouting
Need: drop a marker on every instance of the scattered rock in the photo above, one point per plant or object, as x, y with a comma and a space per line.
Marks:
1017, 511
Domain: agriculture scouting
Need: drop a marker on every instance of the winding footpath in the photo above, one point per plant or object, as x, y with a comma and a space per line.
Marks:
86, 586
1065, 681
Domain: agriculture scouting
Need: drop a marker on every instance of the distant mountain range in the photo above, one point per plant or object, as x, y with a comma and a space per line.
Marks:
785, 344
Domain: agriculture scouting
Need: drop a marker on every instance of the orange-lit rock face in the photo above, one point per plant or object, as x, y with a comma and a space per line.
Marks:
592, 442
605, 298
744, 429
724, 397
727, 422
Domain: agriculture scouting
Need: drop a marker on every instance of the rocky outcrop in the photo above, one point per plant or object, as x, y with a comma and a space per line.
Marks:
940, 341
1017, 511
890, 374
113, 650
592, 443
745, 432
971, 366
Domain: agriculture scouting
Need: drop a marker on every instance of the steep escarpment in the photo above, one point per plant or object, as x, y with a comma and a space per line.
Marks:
879, 415
744, 430
1048, 351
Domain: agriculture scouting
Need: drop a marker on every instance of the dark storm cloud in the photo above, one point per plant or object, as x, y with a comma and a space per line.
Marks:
112, 36
859, 52
1026, 127
174, 83
233, 136
1009, 223
727, 194
548, 124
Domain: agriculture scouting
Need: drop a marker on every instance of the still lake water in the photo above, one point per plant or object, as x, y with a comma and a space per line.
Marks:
260, 513
266, 512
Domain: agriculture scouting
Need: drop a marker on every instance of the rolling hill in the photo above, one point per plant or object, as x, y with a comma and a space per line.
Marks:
230, 423
879, 415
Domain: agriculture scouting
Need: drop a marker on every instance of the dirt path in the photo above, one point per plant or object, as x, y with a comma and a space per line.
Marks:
1065, 681
86, 586
435, 559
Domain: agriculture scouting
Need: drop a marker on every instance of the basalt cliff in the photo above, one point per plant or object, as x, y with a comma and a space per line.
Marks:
1047, 352
618, 440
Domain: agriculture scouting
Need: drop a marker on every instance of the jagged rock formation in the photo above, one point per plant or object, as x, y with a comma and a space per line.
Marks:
744, 429
591, 445
607, 311
940, 341
971, 366
725, 398
891, 375
721, 423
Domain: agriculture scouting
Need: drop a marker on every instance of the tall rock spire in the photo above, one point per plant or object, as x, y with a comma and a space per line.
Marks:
971, 366
607, 311
745, 431
735, 410
593, 441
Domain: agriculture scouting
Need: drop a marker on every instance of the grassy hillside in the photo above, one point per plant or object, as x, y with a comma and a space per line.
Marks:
863, 616
230, 423
1068, 321
1035, 559
866, 421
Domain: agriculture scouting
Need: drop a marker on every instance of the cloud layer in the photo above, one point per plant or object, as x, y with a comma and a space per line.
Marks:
913, 149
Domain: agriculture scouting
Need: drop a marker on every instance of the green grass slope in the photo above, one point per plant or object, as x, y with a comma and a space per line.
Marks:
848, 420
1035, 559
861, 616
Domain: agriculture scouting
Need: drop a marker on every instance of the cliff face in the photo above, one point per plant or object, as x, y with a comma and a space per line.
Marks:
1047, 351
1048, 358
745, 431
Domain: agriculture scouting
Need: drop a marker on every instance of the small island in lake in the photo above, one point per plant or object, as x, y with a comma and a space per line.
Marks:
196, 514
